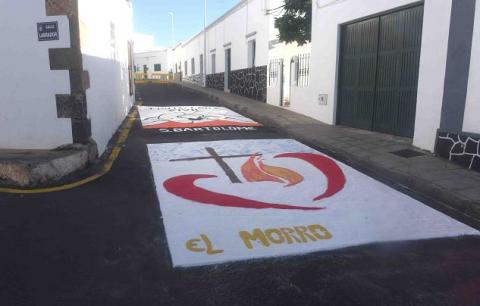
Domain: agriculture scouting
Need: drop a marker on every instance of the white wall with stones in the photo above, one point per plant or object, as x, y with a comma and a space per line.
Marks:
28, 113
244, 22
106, 28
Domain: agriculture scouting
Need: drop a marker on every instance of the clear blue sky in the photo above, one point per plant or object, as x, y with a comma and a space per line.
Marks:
151, 17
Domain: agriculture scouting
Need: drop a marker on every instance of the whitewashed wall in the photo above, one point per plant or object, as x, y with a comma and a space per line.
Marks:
246, 18
107, 63
329, 15
215, 42
151, 58
295, 95
472, 109
433, 60
28, 116
192, 49
177, 55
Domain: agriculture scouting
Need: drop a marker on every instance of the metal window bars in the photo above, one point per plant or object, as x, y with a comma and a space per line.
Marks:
302, 70
300, 66
274, 69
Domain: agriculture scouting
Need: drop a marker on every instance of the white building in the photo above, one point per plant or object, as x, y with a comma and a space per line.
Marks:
66, 72
155, 61
401, 67
288, 67
240, 45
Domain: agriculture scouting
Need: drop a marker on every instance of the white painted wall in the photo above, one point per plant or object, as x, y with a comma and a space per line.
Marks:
433, 61
295, 95
106, 60
329, 15
192, 49
216, 41
177, 55
28, 116
248, 17
471, 121
151, 58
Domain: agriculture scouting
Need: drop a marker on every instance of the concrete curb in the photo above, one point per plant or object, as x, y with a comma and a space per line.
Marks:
32, 168
452, 203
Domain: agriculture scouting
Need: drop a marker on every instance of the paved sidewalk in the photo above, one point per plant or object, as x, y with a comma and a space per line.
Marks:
455, 190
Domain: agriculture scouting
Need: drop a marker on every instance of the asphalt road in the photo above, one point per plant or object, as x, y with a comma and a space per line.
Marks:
104, 244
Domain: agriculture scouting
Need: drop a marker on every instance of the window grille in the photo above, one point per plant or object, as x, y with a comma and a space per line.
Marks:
274, 70
302, 70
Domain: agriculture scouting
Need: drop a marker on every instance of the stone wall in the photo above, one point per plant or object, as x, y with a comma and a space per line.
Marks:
196, 79
216, 81
250, 83
461, 149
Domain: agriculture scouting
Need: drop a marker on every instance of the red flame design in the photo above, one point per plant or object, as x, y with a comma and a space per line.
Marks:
184, 185
254, 170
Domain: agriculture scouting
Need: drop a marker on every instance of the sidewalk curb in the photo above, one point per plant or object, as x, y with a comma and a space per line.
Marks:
31, 168
445, 201
103, 166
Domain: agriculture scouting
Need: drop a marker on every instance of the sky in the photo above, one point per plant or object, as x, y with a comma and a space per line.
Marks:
152, 17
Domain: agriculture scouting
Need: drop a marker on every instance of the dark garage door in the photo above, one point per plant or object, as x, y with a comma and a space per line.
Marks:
379, 72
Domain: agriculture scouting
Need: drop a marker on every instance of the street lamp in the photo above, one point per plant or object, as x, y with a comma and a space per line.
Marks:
173, 29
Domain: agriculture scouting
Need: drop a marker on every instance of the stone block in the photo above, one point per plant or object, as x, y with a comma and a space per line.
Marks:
79, 106
81, 130
61, 7
64, 106
65, 59
71, 106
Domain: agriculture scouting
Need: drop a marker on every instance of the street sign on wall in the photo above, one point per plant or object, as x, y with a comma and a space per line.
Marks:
47, 31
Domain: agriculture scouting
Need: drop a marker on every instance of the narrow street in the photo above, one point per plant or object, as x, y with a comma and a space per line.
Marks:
105, 243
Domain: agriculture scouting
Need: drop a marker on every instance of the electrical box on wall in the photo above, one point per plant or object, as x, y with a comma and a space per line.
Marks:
322, 99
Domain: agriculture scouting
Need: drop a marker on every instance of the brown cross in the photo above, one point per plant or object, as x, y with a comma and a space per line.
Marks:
220, 161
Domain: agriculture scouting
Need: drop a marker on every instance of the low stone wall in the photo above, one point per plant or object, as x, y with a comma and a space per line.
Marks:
250, 83
461, 149
196, 79
216, 81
